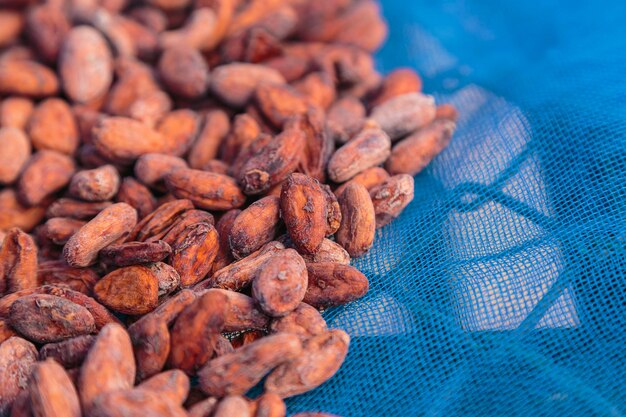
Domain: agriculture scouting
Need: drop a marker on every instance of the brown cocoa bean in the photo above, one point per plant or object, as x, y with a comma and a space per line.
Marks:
14, 214
224, 225
195, 332
133, 253
281, 284
205, 189
209, 140
318, 88
303, 205
53, 126
59, 274
156, 224
196, 32
18, 262
254, 227
369, 178
241, 273
111, 224
232, 406
268, 405
129, 290
60, 229
135, 403
17, 359
27, 78
179, 128
101, 315
70, 353
186, 219
52, 393
67, 207
305, 321
329, 251
123, 140
368, 148
319, 145
151, 337
243, 313
167, 277
413, 153
15, 153
333, 284
447, 111
391, 197
108, 367
85, 64
45, 173
6, 331
244, 131
15, 112
184, 71
21, 405
398, 82
404, 114
279, 102
43, 318
236, 83
235, 373
345, 119
173, 385
321, 358
193, 252
204, 408
46, 27
358, 224
136, 195
98, 184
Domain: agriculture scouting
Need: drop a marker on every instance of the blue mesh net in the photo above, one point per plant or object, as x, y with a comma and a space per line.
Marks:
500, 290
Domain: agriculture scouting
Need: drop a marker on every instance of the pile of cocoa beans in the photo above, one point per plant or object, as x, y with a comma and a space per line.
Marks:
183, 186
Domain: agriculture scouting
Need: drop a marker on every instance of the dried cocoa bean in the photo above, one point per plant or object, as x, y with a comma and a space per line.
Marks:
195, 331
129, 290
43, 318
45, 173
110, 225
333, 284
15, 153
305, 321
17, 359
52, 393
358, 224
193, 252
205, 189
235, 373
404, 114
391, 197
414, 153
133, 253
18, 262
241, 273
52, 126
303, 205
254, 227
136, 195
369, 148
108, 367
70, 352
321, 358
281, 284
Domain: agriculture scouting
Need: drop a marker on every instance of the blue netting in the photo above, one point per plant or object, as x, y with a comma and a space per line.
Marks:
500, 291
